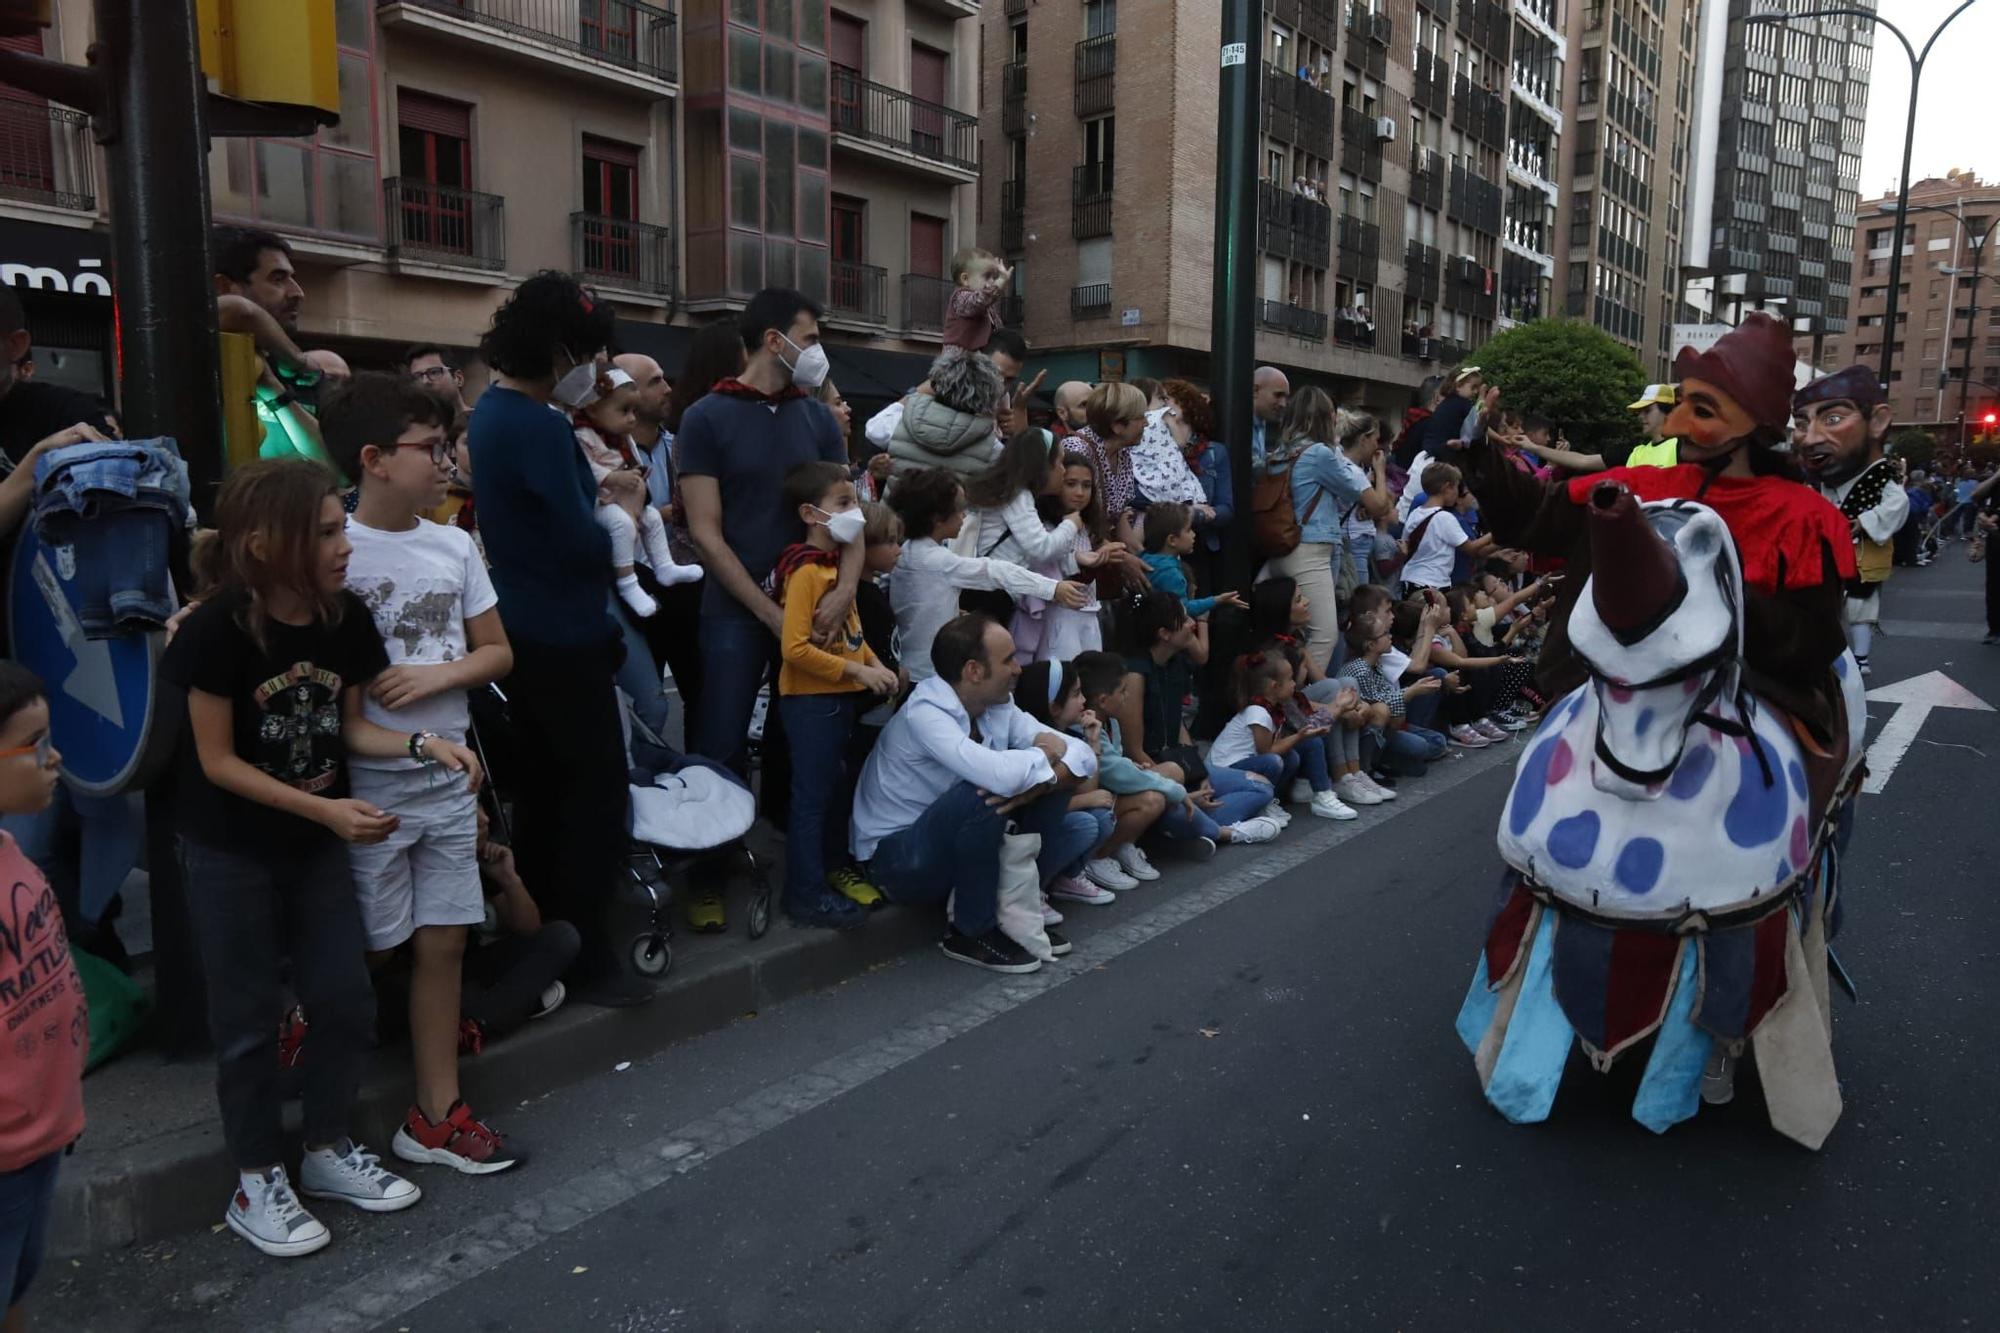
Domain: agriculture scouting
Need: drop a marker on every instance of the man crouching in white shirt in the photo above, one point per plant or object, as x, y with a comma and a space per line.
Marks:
955, 769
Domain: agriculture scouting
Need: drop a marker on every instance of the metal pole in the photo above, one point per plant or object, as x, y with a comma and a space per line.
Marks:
1896, 232
1233, 321
156, 146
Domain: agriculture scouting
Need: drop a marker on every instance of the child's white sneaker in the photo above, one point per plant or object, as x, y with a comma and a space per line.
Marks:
1302, 791
1134, 863
350, 1173
1386, 793
1254, 829
1352, 789
1276, 813
636, 597
1328, 806
1106, 873
266, 1213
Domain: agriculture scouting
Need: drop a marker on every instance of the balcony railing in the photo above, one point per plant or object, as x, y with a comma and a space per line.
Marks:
46, 155
1354, 328
445, 224
1427, 174
1014, 98
1013, 216
880, 114
625, 32
1090, 300
858, 291
1360, 246
924, 300
1293, 319
638, 255
1292, 225
1420, 264
1090, 201
1096, 73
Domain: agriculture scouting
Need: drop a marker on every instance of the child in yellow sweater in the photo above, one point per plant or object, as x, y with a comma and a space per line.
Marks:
820, 691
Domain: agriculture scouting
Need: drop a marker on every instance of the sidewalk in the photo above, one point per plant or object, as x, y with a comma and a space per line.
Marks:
151, 1163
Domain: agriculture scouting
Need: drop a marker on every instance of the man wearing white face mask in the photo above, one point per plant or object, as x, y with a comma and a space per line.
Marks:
736, 445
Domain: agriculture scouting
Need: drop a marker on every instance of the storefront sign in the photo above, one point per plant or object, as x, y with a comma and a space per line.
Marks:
39, 257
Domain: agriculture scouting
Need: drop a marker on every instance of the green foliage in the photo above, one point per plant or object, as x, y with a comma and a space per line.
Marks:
1917, 446
1575, 374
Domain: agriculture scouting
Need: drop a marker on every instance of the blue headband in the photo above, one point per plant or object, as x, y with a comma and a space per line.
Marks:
1055, 682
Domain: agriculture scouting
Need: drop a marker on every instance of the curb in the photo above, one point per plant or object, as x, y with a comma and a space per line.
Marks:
120, 1195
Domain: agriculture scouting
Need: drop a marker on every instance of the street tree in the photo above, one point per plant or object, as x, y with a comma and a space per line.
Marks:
1575, 374
1917, 447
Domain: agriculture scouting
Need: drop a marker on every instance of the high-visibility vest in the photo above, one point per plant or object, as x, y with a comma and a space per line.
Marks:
1664, 454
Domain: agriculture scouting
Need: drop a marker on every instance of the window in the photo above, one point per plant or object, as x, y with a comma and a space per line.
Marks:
1100, 17
1099, 140
610, 198
434, 148
329, 183
850, 229
609, 26
927, 245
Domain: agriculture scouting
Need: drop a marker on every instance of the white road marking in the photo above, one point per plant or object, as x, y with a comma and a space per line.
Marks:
1915, 698
386, 1295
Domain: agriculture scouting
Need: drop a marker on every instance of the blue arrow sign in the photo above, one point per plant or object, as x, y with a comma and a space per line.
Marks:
101, 691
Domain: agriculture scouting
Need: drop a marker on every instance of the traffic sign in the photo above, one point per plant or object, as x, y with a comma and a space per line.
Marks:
102, 694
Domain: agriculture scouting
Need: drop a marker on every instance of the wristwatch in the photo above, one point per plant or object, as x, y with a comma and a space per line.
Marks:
417, 740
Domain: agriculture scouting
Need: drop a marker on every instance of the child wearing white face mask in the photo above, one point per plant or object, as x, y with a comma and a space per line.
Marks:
820, 693
604, 422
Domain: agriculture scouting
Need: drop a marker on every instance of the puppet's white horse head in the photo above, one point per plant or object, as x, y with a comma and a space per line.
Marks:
1659, 785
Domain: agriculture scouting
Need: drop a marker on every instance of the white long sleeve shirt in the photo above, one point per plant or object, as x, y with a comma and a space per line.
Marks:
923, 592
1016, 532
927, 749
1886, 519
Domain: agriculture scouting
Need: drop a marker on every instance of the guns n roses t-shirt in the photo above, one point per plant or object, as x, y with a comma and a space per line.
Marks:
285, 712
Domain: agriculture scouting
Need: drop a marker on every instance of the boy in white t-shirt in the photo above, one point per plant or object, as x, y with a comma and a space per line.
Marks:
440, 621
1434, 537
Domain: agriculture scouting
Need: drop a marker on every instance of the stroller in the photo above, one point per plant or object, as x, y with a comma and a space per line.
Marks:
688, 817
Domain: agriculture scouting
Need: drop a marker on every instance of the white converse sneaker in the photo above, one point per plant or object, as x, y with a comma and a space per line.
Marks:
1352, 789
1108, 874
266, 1213
1134, 863
1328, 806
1254, 829
350, 1173
1386, 793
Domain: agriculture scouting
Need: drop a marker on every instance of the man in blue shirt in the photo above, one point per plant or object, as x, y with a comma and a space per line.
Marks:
552, 568
735, 446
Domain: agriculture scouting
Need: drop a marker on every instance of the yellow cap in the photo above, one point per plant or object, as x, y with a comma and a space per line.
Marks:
1656, 395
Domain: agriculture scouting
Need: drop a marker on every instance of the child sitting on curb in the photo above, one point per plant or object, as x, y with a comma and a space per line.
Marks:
1051, 693
1258, 741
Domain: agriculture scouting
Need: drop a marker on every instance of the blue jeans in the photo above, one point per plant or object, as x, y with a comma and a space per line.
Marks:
818, 727
1102, 822
1279, 768
1238, 797
736, 653
954, 848
118, 504
1422, 711
1312, 762
25, 1196
1414, 743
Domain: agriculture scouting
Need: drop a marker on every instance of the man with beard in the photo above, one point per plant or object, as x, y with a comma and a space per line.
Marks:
1842, 428
1734, 408
257, 292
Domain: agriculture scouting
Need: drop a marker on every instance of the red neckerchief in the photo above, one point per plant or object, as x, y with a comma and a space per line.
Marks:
1782, 528
1192, 451
794, 558
736, 388
622, 444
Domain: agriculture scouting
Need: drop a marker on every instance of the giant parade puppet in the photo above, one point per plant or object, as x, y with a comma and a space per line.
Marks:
1841, 429
1673, 833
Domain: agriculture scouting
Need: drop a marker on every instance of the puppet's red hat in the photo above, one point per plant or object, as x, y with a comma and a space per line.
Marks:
1752, 363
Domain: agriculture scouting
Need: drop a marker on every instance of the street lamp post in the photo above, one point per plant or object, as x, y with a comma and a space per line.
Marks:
1916, 59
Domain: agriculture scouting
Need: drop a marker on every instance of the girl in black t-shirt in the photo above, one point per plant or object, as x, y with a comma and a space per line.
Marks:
274, 660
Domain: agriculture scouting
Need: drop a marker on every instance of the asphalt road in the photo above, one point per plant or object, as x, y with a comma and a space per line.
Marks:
1243, 1108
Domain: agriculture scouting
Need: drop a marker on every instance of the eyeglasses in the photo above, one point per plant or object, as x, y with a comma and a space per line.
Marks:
441, 452
433, 374
41, 749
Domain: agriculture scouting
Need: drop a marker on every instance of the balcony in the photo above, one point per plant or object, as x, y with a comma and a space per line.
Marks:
1432, 89
1420, 265
858, 292
1013, 216
1090, 301
890, 125
1015, 9
1529, 164
1427, 174
1360, 249
46, 156
617, 252
1096, 74
1293, 319
1354, 328
1363, 149
1291, 225
1480, 112
924, 300
1090, 201
1014, 98
1474, 200
442, 224
609, 41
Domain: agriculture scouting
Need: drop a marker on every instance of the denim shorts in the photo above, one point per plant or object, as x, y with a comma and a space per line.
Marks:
426, 873
25, 1196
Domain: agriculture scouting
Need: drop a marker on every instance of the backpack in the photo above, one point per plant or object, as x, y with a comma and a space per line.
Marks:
1275, 525
1408, 546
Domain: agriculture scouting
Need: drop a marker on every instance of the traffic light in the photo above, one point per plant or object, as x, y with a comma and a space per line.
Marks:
272, 52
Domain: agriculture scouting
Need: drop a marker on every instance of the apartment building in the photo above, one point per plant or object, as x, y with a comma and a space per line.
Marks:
1783, 109
678, 161
1402, 197
1623, 180
1942, 325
